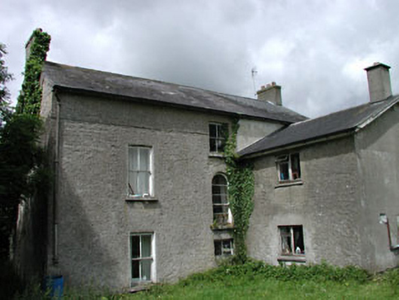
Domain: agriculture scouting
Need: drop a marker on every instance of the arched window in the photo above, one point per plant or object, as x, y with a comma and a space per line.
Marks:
221, 209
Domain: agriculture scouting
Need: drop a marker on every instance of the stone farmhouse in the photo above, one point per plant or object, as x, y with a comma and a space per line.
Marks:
139, 179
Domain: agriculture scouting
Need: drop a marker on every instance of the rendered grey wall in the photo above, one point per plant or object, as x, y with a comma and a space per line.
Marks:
326, 204
251, 131
378, 162
95, 221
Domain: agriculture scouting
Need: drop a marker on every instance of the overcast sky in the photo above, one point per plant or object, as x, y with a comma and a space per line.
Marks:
316, 50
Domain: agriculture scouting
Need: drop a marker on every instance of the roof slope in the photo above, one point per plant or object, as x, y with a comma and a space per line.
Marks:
88, 80
339, 122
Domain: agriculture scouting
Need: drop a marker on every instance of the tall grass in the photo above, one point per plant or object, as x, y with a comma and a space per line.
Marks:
254, 280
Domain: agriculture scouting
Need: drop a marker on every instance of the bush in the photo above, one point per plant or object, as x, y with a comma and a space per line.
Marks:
317, 273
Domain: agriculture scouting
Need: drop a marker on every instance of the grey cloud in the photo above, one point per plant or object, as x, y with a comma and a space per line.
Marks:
315, 50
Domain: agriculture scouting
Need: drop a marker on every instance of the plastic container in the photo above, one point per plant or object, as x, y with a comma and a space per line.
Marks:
55, 284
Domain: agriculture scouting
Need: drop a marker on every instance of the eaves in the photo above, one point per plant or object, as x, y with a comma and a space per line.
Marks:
87, 92
308, 142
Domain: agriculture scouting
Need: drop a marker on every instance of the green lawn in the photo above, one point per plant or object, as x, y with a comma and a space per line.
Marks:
273, 289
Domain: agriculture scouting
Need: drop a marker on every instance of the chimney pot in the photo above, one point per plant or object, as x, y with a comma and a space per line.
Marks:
379, 81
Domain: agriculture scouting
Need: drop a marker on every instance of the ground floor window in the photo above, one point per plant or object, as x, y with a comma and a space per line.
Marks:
142, 249
292, 242
224, 247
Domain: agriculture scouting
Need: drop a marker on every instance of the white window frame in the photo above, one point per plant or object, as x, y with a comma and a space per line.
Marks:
224, 251
287, 158
294, 246
140, 259
150, 171
218, 137
229, 214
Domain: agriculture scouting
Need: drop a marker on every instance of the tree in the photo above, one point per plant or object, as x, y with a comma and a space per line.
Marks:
23, 173
5, 111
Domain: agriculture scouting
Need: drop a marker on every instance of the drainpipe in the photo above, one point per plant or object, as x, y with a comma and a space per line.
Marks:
56, 179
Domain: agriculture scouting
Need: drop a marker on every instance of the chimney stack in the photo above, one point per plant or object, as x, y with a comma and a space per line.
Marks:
271, 93
379, 81
29, 43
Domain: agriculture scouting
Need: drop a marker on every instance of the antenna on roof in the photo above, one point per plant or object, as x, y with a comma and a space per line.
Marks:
253, 73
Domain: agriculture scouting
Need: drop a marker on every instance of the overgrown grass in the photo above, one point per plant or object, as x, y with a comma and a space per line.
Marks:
255, 280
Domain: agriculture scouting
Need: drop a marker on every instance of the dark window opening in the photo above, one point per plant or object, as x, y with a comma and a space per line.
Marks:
288, 167
292, 242
224, 247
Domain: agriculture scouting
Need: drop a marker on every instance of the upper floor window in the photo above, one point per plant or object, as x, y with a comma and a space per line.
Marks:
218, 133
221, 208
292, 240
140, 175
288, 167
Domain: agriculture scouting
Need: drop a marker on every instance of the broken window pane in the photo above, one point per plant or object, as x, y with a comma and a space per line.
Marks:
223, 247
284, 171
295, 166
136, 269
298, 240
135, 241
292, 242
288, 167
218, 248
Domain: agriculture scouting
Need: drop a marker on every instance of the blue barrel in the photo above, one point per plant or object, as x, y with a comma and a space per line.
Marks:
55, 284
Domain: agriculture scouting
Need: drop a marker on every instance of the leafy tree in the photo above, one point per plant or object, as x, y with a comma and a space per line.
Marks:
5, 111
23, 174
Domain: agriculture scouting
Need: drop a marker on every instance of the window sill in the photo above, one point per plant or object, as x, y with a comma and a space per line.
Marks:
292, 258
141, 199
288, 183
222, 226
216, 155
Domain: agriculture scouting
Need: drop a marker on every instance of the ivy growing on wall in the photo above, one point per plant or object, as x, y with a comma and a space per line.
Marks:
241, 190
31, 93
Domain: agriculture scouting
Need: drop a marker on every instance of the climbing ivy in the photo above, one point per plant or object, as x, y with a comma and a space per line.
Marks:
241, 190
31, 93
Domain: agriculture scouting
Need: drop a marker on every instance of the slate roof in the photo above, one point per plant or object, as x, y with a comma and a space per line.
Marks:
344, 121
134, 88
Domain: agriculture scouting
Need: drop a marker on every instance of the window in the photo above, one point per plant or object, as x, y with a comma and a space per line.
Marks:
141, 246
288, 167
292, 240
223, 247
221, 209
140, 175
218, 134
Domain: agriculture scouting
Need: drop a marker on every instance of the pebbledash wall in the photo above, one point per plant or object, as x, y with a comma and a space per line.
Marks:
90, 235
95, 219
377, 148
326, 207
345, 185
